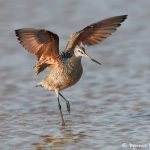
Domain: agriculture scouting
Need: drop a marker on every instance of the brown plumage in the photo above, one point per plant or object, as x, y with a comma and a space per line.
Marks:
66, 67
95, 33
42, 43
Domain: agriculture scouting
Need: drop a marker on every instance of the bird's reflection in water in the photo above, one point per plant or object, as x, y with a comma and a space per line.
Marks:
51, 142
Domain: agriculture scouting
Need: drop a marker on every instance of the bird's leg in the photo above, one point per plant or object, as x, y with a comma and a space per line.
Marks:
67, 102
59, 106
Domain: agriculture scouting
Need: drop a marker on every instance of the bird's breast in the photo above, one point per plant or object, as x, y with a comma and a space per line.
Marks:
71, 73
64, 76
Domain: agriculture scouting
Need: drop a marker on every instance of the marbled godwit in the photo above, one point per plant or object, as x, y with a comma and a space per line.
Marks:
66, 67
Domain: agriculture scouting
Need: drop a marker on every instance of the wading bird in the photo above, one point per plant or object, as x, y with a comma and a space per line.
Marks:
66, 67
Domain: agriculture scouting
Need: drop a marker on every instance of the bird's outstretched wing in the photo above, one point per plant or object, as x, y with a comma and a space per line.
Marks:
43, 44
94, 33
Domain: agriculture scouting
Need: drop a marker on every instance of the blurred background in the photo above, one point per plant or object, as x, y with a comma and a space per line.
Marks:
109, 105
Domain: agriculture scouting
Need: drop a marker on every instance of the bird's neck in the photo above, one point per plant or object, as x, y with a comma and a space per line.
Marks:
69, 57
73, 64
75, 59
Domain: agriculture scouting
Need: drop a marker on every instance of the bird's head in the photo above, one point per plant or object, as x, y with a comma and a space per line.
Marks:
80, 52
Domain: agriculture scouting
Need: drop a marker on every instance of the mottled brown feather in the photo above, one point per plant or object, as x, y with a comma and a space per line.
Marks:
43, 44
94, 33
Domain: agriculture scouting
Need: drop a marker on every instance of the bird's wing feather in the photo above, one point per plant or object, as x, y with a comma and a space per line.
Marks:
94, 33
43, 44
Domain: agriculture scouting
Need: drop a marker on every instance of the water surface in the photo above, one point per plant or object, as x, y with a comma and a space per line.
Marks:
109, 106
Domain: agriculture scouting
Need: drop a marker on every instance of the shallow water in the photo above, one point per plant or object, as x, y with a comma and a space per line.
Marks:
110, 104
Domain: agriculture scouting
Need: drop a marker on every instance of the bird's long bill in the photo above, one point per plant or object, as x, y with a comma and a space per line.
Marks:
89, 57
